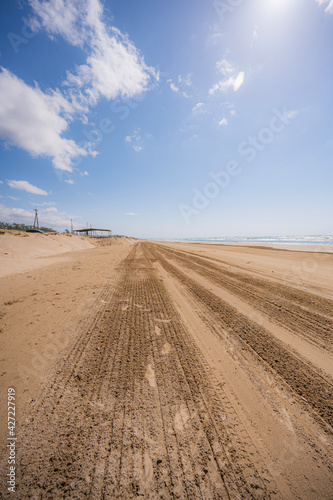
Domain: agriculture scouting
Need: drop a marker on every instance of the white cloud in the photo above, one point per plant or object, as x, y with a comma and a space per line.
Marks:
223, 122
26, 186
173, 87
46, 218
131, 213
84, 173
329, 8
183, 83
33, 121
229, 108
198, 109
185, 80
44, 204
215, 36
114, 67
231, 78
223, 85
7, 213
136, 141
36, 121
69, 181
225, 67
1, 182
226, 84
60, 17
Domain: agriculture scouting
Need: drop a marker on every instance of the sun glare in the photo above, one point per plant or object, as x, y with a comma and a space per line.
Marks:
239, 81
276, 4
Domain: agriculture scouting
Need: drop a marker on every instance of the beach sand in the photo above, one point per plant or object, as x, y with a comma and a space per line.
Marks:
166, 370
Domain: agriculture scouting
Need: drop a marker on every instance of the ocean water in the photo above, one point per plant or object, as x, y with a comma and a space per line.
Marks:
306, 239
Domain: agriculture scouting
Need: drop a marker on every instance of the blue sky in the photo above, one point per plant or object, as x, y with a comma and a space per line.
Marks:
168, 119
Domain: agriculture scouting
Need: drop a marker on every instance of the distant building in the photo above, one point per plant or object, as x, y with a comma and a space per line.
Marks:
94, 233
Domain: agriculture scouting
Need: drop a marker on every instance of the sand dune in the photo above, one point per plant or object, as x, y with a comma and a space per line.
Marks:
20, 251
169, 370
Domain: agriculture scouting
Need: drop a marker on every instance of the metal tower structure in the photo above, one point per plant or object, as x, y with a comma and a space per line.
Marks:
36, 223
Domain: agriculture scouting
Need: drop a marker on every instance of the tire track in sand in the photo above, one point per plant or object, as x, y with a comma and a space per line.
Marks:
132, 412
298, 374
306, 314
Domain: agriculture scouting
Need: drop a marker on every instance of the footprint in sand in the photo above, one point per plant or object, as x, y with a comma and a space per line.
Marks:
181, 418
166, 348
141, 307
150, 375
157, 330
148, 474
124, 307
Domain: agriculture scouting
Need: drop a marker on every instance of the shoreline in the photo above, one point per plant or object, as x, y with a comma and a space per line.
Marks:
298, 247
295, 247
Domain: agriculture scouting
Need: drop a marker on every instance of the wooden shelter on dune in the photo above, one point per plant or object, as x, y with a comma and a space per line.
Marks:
94, 232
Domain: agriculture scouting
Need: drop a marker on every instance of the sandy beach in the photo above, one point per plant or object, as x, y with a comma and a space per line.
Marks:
166, 370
